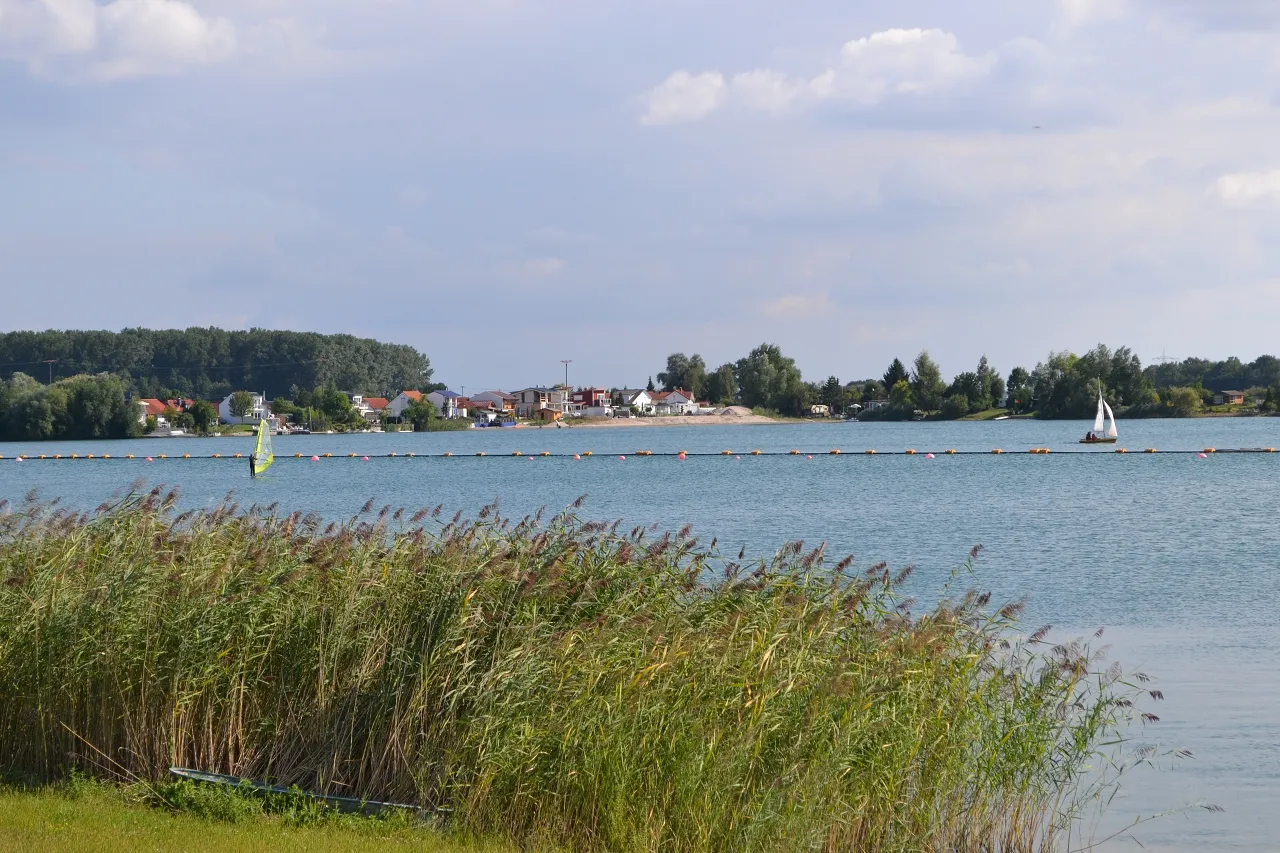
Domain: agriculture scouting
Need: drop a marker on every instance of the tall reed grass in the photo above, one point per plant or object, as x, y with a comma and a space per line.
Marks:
554, 682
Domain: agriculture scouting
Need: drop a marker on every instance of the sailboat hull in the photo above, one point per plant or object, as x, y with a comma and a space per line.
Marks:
1097, 441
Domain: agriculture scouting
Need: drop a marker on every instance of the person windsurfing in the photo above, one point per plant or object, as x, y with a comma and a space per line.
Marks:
253, 464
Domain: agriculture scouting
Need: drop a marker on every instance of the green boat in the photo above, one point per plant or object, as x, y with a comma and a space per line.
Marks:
347, 805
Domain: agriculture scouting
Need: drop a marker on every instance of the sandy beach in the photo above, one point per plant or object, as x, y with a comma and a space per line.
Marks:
732, 416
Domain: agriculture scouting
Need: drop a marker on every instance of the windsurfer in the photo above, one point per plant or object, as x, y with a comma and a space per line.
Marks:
253, 464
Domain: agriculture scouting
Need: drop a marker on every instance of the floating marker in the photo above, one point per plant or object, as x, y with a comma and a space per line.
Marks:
578, 458
326, 456
19, 459
755, 453
681, 456
351, 456
1204, 456
808, 457
545, 453
149, 459
795, 453
315, 458
622, 459
928, 456
726, 452
1149, 450
911, 452
737, 459
997, 450
517, 453
237, 456
217, 456
588, 453
871, 453
530, 458
1121, 450
447, 453
951, 452
834, 453
365, 459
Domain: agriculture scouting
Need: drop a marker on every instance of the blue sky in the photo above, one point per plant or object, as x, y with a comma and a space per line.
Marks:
505, 184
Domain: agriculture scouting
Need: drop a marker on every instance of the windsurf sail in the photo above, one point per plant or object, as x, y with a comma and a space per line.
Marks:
262, 455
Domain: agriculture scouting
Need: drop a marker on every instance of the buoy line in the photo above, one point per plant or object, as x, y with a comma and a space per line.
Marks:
680, 454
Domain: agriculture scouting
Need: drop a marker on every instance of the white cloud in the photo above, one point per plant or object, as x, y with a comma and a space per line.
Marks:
798, 305
79, 39
543, 267
1240, 189
1073, 14
684, 97
871, 69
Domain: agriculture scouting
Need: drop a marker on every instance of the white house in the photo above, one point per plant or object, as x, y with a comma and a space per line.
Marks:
257, 411
402, 401
638, 397
370, 408
446, 403
677, 402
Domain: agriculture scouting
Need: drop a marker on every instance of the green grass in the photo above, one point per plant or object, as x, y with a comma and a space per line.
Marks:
99, 818
988, 414
554, 683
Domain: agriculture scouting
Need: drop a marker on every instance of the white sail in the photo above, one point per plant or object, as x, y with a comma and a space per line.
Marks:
1111, 418
1097, 421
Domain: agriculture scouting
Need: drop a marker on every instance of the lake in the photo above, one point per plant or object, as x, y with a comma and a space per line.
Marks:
1175, 555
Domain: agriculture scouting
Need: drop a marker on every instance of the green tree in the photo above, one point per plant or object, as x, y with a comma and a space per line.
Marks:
1182, 402
722, 386
874, 389
768, 379
421, 413
897, 370
203, 415
833, 395
969, 386
926, 383
687, 373
900, 396
650, 386
955, 407
989, 383
241, 404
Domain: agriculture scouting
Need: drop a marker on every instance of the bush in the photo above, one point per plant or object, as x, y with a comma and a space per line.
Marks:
955, 407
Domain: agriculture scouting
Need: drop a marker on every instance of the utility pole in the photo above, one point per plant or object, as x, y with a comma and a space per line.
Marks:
565, 362
51, 362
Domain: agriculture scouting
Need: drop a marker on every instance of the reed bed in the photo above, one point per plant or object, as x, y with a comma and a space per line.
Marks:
553, 682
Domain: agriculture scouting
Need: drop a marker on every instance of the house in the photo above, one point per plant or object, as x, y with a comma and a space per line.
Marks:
638, 397
874, 405
258, 410
589, 398
530, 401
401, 402
820, 410
480, 410
150, 407
370, 408
502, 401
1229, 398
675, 402
446, 403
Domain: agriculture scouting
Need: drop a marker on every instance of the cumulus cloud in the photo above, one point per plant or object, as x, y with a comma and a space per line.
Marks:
1241, 189
80, 39
870, 70
684, 97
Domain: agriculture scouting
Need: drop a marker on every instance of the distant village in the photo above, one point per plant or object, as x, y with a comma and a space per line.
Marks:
485, 409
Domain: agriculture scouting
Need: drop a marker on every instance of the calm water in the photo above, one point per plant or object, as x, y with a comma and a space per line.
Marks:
1175, 555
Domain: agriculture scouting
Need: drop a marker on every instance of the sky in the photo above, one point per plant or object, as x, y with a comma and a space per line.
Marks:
504, 184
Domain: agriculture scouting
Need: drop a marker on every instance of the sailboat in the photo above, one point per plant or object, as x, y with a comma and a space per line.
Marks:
262, 456
1105, 417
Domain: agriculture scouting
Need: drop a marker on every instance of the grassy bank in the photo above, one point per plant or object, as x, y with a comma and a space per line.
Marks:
550, 682
102, 819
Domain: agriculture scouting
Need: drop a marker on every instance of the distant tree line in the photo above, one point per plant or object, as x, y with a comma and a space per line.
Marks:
211, 363
1064, 385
